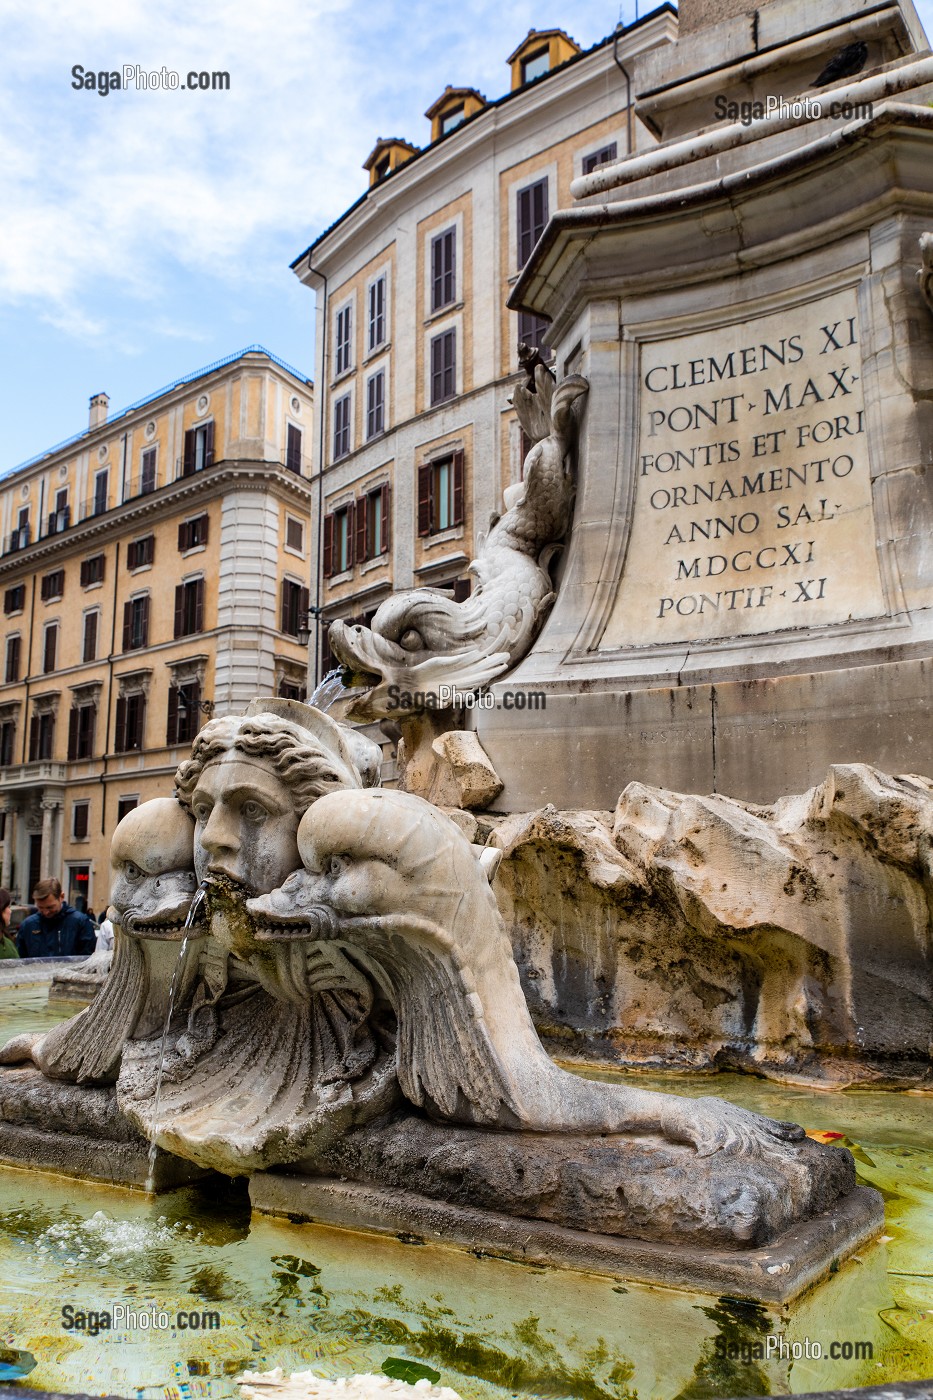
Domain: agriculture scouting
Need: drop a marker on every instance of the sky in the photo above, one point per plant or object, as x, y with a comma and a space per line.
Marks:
145, 234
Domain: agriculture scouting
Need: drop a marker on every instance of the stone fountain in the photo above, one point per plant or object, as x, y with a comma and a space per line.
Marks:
313, 986
337, 989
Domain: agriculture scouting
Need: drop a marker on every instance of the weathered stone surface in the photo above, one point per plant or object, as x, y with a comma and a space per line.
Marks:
82, 982
804, 1256
392, 887
47, 1125
792, 939
476, 780
641, 1188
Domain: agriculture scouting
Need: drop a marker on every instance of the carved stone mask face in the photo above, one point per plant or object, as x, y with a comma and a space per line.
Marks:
246, 824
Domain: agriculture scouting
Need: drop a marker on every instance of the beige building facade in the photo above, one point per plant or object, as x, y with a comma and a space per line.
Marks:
417, 353
153, 573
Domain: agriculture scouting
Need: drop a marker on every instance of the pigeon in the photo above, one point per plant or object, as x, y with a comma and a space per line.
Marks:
844, 64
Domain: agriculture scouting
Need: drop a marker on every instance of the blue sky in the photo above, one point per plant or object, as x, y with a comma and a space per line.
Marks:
145, 234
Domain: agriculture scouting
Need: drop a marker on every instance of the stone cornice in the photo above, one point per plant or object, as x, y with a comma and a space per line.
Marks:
557, 261
252, 362
202, 486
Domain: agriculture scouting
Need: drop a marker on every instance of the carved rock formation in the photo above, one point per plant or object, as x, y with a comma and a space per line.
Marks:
793, 939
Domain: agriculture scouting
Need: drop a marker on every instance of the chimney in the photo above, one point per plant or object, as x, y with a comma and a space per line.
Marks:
99, 405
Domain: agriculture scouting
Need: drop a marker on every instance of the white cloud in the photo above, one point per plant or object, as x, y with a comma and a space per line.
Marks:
125, 199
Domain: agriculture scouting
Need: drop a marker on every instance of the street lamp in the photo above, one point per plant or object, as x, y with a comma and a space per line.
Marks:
307, 620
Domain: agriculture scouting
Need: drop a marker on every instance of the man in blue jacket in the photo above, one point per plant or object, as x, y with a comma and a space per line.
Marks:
56, 930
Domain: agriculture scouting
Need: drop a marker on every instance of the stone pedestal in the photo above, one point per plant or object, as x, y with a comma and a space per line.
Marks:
748, 592
803, 1257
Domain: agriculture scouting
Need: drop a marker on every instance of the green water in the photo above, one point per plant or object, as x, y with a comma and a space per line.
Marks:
308, 1297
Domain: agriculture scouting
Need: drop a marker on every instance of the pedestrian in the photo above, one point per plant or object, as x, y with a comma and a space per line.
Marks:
55, 930
104, 936
7, 946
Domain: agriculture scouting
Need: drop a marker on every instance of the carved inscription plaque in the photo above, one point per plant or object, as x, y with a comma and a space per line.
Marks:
752, 509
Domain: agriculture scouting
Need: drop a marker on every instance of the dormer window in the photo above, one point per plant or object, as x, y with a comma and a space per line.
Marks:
536, 65
540, 52
453, 118
454, 106
387, 155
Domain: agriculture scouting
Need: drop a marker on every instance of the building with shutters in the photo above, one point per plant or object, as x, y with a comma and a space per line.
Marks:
153, 572
417, 354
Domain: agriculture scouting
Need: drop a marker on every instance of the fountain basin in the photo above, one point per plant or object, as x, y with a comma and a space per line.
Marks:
494, 1327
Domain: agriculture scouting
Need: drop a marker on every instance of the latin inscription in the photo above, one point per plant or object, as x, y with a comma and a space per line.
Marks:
752, 507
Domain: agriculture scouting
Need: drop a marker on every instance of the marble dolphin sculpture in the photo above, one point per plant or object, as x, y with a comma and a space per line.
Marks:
422, 640
152, 885
394, 882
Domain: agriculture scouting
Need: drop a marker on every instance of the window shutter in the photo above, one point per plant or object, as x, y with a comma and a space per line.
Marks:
437, 274
189, 457
72, 734
209, 444
351, 533
131, 560
458, 488
183, 537
425, 499
286, 594
144, 621
33, 738
328, 546
194, 701
179, 610
450, 364
293, 448
44, 588
199, 605
51, 641
524, 225
304, 602
384, 508
203, 529
127, 625
540, 210
119, 738
437, 372
360, 548
450, 265
171, 730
